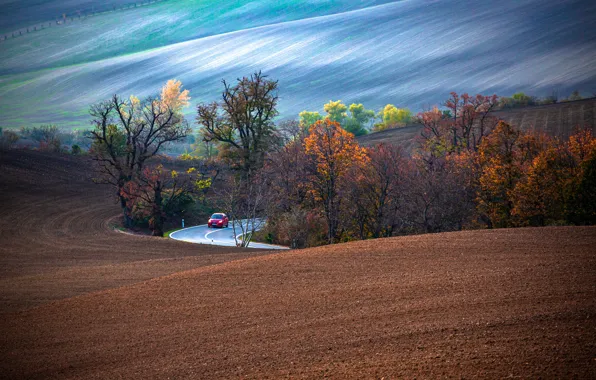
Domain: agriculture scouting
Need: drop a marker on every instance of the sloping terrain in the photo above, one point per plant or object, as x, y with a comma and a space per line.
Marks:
404, 137
514, 303
57, 238
555, 119
558, 120
408, 53
489, 304
86, 36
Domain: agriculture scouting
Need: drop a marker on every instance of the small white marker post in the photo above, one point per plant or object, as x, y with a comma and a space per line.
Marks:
182, 222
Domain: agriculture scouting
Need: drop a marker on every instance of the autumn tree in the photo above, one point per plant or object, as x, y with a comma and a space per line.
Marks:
308, 118
336, 111
503, 158
129, 132
440, 189
157, 192
288, 170
463, 127
376, 191
359, 119
333, 152
242, 123
355, 119
293, 218
393, 117
554, 189
436, 196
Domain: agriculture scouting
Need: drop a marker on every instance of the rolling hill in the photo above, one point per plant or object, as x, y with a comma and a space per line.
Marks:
409, 53
80, 300
558, 120
58, 237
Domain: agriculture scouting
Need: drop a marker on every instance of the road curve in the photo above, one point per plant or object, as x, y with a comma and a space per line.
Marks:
215, 236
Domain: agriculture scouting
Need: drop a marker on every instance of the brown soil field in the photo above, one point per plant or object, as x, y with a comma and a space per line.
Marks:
82, 301
57, 238
404, 137
557, 120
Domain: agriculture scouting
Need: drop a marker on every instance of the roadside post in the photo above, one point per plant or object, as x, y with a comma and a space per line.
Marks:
182, 222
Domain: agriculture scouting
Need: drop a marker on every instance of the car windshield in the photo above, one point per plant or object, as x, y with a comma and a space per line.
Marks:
217, 216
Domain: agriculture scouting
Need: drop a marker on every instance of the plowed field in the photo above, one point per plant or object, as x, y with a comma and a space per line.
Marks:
58, 240
82, 301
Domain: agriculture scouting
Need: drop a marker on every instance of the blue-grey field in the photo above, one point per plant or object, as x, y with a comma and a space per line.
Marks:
411, 53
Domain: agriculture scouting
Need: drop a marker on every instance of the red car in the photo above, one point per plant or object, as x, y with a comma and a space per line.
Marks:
218, 220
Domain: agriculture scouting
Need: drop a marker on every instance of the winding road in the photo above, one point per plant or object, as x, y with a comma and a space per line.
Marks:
216, 236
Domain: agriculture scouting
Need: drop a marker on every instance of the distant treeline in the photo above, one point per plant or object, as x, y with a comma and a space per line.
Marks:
47, 138
359, 121
520, 99
80, 14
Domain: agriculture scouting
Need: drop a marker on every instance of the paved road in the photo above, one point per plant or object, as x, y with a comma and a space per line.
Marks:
216, 236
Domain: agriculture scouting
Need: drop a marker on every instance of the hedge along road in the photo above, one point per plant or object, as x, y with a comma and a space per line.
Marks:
218, 236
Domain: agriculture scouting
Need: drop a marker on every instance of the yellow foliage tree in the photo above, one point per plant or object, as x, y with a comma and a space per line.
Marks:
336, 111
333, 152
173, 97
393, 117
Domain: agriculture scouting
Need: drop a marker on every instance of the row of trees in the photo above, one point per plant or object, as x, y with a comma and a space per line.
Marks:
520, 99
356, 119
316, 185
469, 171
47, 138
359, 121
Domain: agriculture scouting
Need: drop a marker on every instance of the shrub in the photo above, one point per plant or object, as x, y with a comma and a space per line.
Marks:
8, 139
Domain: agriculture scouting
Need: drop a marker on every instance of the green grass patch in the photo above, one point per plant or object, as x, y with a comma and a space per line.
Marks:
167, 233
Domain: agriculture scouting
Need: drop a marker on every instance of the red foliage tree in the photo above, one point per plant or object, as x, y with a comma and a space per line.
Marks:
156, 192
463, 126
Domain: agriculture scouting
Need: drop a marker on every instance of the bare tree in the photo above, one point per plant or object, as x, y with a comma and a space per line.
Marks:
126, 134
375, 191
246, 200
243, 121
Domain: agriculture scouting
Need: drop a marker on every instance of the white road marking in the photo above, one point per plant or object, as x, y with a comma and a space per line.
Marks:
202, 235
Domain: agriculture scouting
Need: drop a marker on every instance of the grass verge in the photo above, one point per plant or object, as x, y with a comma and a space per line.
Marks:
167, 233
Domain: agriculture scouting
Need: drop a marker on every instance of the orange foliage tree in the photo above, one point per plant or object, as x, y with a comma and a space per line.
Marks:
503, 158
333, 152
554, 190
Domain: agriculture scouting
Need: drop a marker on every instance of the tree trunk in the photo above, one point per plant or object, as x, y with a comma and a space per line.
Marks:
157, 212
126, 212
